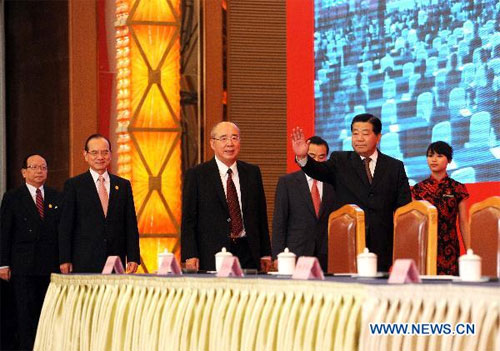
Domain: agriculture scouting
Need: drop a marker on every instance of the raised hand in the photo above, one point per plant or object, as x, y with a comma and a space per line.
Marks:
299, 144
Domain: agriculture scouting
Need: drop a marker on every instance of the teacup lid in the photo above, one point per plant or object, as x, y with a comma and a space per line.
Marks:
367, 254
223, 253
165, 253
470, 256
286, 254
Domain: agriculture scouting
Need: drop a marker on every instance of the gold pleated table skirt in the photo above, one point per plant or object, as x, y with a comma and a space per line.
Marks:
148, 313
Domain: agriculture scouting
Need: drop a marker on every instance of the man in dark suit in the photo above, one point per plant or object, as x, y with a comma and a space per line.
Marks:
224, 205
28, 241
98, 215
301, 210
366, 177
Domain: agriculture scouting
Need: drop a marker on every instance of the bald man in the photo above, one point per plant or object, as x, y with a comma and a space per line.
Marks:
224, 205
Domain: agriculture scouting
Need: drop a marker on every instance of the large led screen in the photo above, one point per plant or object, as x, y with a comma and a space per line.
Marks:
429, 69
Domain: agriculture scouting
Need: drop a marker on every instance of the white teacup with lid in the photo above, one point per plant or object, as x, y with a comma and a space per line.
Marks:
163, 255
367, 264
469, 266
219, 258
286, 262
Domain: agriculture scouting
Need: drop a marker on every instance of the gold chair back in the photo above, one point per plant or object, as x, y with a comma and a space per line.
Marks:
484, 234
346, 238
415, 235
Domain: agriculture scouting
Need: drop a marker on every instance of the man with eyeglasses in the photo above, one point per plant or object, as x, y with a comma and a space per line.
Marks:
28, 244
224, 205
98, 216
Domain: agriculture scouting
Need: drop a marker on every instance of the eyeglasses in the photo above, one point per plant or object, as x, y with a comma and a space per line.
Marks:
95, 153
224, 139
35, 167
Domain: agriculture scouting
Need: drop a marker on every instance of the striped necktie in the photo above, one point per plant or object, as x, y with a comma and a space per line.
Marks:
39, 203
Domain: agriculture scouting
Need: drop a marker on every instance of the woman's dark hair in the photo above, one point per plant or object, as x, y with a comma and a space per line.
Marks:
442, 148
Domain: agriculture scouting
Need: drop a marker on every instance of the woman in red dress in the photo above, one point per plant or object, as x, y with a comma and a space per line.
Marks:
449, 197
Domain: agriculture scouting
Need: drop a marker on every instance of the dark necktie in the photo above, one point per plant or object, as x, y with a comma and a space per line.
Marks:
234, 206
315, 197
39, 203
367, 169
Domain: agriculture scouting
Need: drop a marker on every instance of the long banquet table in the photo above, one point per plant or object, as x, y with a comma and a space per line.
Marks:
201, 312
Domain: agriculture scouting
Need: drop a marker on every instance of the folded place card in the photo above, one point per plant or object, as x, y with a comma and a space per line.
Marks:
113, 263
169, 265
230, 268
404, 270
308, 268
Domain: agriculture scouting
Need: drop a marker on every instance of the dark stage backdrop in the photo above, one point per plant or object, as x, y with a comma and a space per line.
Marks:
37, 87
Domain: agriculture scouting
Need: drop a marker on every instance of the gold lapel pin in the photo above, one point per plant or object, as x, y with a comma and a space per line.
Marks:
50, 205
116, 187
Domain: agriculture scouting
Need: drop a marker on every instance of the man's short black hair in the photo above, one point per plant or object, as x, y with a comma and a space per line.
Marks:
317, 140
25, 160
368, 117
96, 136
442, 148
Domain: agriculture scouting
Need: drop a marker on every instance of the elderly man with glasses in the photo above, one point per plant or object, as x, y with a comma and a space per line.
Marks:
224, 205
28, 244
98, 216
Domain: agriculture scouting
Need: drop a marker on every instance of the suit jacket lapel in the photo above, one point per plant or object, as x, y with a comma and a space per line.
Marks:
113, 190
304, 191
358, 165
214, 178
327, 194
380, 169
49, 201
29, 204
243, 177
92, 190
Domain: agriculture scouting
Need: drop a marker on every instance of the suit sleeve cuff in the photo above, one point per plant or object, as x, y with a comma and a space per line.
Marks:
302, 162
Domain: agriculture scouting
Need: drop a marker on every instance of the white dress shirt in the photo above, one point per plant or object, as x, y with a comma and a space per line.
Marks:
96, 175
32, 190
318, 184
373, 161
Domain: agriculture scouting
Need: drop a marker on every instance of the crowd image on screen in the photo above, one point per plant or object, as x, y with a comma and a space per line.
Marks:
430, 69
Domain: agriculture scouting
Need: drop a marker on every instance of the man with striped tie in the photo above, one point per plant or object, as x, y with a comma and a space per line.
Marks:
28, 244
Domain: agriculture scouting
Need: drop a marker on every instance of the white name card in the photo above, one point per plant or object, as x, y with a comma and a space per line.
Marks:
113, 263
230, 268
308, 268
169, 265
404, 271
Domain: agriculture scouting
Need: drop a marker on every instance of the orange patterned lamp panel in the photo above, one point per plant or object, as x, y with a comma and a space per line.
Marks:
149, 128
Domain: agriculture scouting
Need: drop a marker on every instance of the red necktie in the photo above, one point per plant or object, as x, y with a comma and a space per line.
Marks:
234, 206
315, 197
367, 169
39, 203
